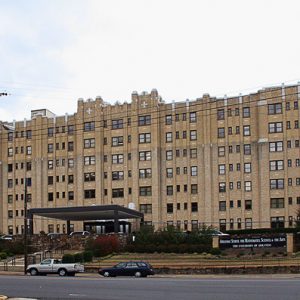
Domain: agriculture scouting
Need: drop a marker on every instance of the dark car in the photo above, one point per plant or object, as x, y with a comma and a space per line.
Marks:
131, 268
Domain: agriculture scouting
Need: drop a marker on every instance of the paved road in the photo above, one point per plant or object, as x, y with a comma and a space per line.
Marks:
161, 288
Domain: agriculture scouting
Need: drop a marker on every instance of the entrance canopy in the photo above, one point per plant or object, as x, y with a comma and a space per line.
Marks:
83, 213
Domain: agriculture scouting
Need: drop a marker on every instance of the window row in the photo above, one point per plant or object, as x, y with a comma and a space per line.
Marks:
237, 148
233, 112
246, 131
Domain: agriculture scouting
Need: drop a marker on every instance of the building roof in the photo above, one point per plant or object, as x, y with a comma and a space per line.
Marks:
82, 213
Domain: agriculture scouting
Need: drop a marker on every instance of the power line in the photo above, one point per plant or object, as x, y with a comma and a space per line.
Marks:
133, 124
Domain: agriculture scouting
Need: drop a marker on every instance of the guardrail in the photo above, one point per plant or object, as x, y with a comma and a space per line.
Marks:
7, 261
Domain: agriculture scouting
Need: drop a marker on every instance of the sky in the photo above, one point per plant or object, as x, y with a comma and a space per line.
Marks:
54, 52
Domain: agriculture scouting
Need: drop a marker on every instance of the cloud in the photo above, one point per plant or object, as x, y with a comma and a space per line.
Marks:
53, 52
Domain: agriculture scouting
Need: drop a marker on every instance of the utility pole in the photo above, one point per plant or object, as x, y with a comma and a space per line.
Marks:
25, 226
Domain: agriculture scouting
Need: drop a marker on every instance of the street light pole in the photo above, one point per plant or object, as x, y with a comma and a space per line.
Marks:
25, 226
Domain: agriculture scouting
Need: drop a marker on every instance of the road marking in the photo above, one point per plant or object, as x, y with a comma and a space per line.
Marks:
77, 295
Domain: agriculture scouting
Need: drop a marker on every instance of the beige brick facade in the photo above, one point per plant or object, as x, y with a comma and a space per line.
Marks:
230, 163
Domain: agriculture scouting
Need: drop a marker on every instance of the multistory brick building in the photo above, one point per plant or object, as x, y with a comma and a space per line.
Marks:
232, 163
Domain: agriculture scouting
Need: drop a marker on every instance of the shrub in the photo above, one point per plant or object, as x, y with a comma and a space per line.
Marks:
103, 245
68, 258
3, 255
215, 251
78, 257
87, 256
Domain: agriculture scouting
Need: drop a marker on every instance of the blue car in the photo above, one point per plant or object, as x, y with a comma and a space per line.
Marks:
131, 268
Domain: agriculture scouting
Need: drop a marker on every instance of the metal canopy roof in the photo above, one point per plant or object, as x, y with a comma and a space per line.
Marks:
82, 213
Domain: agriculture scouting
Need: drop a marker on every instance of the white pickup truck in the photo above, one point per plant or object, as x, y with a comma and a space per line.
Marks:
54, 266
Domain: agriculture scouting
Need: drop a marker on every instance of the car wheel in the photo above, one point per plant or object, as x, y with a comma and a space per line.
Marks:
106, 274
62, 272
138, 274
33, 272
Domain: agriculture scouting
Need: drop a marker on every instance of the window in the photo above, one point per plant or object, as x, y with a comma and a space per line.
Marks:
221, 132
231, 185
248, 204
9, 198
220, 114
28, 150
276, 146
89, 126
117, 124
50, 131
248, 186
246, 131
275, 127
246, 112
117, 141
288, 125
50, 196
247, 167
247, 149
50, 164
10, 152
89, 194
236, 111
177, 118
169, 190
275, 108
222, 187
169, 172
71, 129
89, 176
70, 195
70, 179
222, 169
117, 175
169, 155
194, 189
194, 206
230, 167
237, 129
295, 104
277, 222
70, 146
193, 135
222, 205
169, 137
248, 223
117, 158
147, 173
144, 155
229, 130
277, 202
144, 138
194, 171
168, 119
70, 163
296, 124
276, 184
276, 165
9, 167
50, 180
221, 151
146, 208
144, 120
118, 193
193, 117
89, 143
222, 224
177, 135
145, 191
89, 160
237, 148
193, 153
